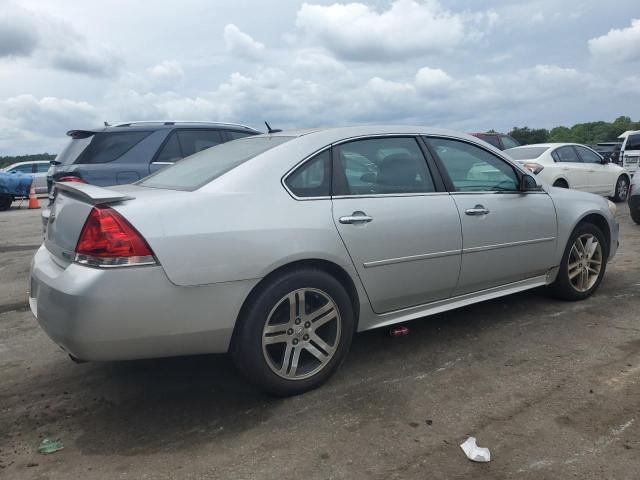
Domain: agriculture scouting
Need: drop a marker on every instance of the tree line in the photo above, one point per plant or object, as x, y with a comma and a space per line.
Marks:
8, 159
588, 133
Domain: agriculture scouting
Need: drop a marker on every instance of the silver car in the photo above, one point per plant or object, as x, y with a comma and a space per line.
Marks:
36, 168
278, 248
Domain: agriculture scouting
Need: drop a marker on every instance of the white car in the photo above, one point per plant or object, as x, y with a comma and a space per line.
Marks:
570, 165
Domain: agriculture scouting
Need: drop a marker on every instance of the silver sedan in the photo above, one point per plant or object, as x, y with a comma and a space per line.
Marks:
278, 248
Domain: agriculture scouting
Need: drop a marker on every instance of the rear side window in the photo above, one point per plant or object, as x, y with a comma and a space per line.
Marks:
234, 135
565, 154
194, 141
313, 178
106, 147
379, 166
491, 139
633, 143
203, 167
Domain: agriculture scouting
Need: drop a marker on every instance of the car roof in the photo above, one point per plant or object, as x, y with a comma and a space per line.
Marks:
551, 145
334, 134
162, 125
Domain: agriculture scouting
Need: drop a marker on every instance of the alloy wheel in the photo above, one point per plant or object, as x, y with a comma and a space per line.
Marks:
301, 334
585, 262
622, 190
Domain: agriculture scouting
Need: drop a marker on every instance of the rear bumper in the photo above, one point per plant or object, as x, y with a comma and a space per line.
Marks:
131, 313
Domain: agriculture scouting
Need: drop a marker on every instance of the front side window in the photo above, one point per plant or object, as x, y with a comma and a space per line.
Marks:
378, 166
472, 169
633, 142
565, 154
588, 156
194, 141
491, 139
27, 168
313, 178
42, 167
170, 152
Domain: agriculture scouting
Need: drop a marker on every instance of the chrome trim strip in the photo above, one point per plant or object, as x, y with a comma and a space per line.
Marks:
377, 195
411, 258
484, 248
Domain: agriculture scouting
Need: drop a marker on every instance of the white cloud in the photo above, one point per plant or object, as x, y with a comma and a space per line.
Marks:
42, 121
167, 73
241, 44
432, 80
48, 41
356, 31
619, 45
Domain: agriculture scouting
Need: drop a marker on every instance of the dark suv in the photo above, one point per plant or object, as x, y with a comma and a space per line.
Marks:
127, 152
499, 140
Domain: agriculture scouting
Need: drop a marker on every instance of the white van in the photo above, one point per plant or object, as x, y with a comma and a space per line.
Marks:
630, 150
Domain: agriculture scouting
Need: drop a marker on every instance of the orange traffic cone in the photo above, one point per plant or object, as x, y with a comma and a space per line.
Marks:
33, 200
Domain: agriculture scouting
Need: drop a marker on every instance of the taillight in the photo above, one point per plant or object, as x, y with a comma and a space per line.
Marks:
108, 240
71, 178
533, 167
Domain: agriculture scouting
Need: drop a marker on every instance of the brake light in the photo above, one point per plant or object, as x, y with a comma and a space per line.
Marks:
108, 240
533, 167
71, 178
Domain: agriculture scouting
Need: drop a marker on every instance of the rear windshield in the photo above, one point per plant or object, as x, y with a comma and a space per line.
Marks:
199, 169
525, 153
102, 147
633, 143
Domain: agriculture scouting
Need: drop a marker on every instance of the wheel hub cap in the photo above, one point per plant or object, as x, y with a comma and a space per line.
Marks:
301, 334
585, 262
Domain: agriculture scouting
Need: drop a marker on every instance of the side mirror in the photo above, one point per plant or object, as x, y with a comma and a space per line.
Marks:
528, 184
604, 161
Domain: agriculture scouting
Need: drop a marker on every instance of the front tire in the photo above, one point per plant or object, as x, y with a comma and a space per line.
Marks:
583, 264
622, 189
634, 207
294, 332
561, 184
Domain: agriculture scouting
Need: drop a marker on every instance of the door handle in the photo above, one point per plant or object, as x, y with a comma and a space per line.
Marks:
477, 210
355, 218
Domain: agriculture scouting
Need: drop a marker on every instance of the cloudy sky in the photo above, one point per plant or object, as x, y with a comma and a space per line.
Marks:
470, 65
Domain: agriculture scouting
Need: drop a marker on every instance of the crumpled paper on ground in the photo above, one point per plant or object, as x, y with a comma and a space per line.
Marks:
474, 452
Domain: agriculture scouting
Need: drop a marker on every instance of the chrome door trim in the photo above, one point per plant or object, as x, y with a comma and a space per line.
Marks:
484, 248
387, 195
412, 258
162, 163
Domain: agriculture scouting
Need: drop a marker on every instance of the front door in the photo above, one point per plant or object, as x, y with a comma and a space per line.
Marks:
600, 178
507, 235
402, 234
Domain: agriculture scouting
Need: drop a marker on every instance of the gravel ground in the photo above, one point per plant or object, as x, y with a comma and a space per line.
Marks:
550, 387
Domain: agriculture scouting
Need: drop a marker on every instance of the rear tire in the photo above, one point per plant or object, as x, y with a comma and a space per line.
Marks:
622, 189
294, 332
5, 201
561, 184
583, 264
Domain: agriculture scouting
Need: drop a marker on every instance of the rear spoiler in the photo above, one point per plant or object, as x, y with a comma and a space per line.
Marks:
91, 193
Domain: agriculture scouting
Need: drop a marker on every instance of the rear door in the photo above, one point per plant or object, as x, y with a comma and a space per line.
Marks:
40, 174
401, 230
508, 235
572, 167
